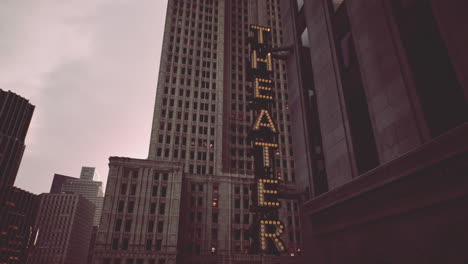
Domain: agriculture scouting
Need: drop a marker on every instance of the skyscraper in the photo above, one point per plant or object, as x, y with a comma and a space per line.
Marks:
17, 207
15, 116
200, 126
201, 118
90, 174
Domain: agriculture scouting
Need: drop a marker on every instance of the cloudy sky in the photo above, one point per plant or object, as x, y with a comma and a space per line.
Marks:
90, 68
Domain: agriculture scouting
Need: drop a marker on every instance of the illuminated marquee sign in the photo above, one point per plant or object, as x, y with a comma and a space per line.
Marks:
267, 228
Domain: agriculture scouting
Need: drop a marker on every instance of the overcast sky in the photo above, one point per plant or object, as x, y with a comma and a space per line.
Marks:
90, 68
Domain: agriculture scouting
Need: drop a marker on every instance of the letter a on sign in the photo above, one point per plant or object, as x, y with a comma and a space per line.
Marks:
264, 120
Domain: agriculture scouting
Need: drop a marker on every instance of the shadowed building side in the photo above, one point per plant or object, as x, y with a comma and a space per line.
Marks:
379, 93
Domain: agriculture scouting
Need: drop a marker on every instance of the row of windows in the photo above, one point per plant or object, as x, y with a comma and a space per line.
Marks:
128, 223
125, 243
131, 204
204, 118
199, 156
133, 173
124, 190
201, 129
203, 95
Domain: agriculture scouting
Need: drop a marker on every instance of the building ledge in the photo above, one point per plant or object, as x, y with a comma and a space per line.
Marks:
447, 146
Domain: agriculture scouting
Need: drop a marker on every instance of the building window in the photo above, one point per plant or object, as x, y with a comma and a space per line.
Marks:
160, 226
125, 244
118, 224
128, 225
115, 243
153, 208
237, 234
362, 134
214, 218
130, 207
149, 242
150, 226
121, 206
123, 189
158, 244
162, 209
155, 190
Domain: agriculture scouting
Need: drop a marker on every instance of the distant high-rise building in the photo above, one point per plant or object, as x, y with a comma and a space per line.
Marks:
90, 174
15, 116
86, 185
17, 214
90, 187
64, 224
379, 92
58, 182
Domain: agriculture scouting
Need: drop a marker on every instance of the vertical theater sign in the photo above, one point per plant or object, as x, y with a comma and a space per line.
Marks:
267, 229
